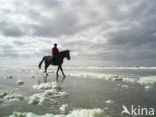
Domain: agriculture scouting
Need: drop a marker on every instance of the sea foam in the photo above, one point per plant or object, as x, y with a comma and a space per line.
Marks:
75, 113
51, 91
64, 108
48, 85
141, 80
5, 96
20, 82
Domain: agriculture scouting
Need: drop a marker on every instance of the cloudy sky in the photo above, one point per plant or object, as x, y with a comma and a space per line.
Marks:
117, 32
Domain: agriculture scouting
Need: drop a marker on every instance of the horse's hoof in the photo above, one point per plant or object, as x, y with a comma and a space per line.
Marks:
64, 76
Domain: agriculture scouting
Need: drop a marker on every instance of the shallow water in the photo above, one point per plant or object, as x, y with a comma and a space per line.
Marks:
84, 93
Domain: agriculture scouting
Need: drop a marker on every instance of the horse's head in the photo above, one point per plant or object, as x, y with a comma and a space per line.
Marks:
67, 54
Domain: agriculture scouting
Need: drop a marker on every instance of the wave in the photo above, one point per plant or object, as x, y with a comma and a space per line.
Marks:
141, 80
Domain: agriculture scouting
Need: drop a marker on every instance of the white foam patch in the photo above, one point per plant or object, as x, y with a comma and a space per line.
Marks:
94, 76
30, 114
51, 90
63, 94
38, 99
48, 85
125, 86
109, 102
64, 108
3, 93
20, 82
115, 67
147, 80
14, 97
142, 80
48, 96
148, 88
5, 96
75, 113
103, 76
87, 113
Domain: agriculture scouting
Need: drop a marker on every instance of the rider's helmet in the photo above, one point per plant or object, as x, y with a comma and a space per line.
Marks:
55, 44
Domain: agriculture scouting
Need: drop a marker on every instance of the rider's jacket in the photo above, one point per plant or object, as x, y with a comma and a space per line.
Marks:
55, 50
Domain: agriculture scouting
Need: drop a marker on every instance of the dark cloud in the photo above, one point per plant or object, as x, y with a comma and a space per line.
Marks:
9, 29
48, 3
64, 24
115, 30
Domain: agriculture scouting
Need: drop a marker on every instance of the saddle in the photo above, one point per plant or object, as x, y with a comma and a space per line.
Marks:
55, 59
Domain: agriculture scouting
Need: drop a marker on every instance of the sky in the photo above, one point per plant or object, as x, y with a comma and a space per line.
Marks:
108, 32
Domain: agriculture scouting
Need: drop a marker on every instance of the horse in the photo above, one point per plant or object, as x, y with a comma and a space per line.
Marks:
48, 60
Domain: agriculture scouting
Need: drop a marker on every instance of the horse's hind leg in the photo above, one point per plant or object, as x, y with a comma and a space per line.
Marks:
46, 70
45, 67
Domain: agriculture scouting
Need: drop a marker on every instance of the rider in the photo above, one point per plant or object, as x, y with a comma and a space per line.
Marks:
55, 53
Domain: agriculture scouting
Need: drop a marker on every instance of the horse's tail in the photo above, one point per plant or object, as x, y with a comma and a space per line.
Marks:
41, 62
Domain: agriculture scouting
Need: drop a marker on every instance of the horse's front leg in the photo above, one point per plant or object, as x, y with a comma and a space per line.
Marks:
57, 71
62, 71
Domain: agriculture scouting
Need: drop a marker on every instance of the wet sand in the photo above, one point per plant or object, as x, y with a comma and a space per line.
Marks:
84, 93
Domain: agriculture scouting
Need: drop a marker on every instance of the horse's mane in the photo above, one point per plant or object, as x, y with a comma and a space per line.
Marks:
64, 51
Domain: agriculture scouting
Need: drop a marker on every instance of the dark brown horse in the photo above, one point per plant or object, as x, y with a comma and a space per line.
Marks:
48, 61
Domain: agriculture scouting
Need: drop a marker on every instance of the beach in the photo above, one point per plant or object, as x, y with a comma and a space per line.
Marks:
84, 92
